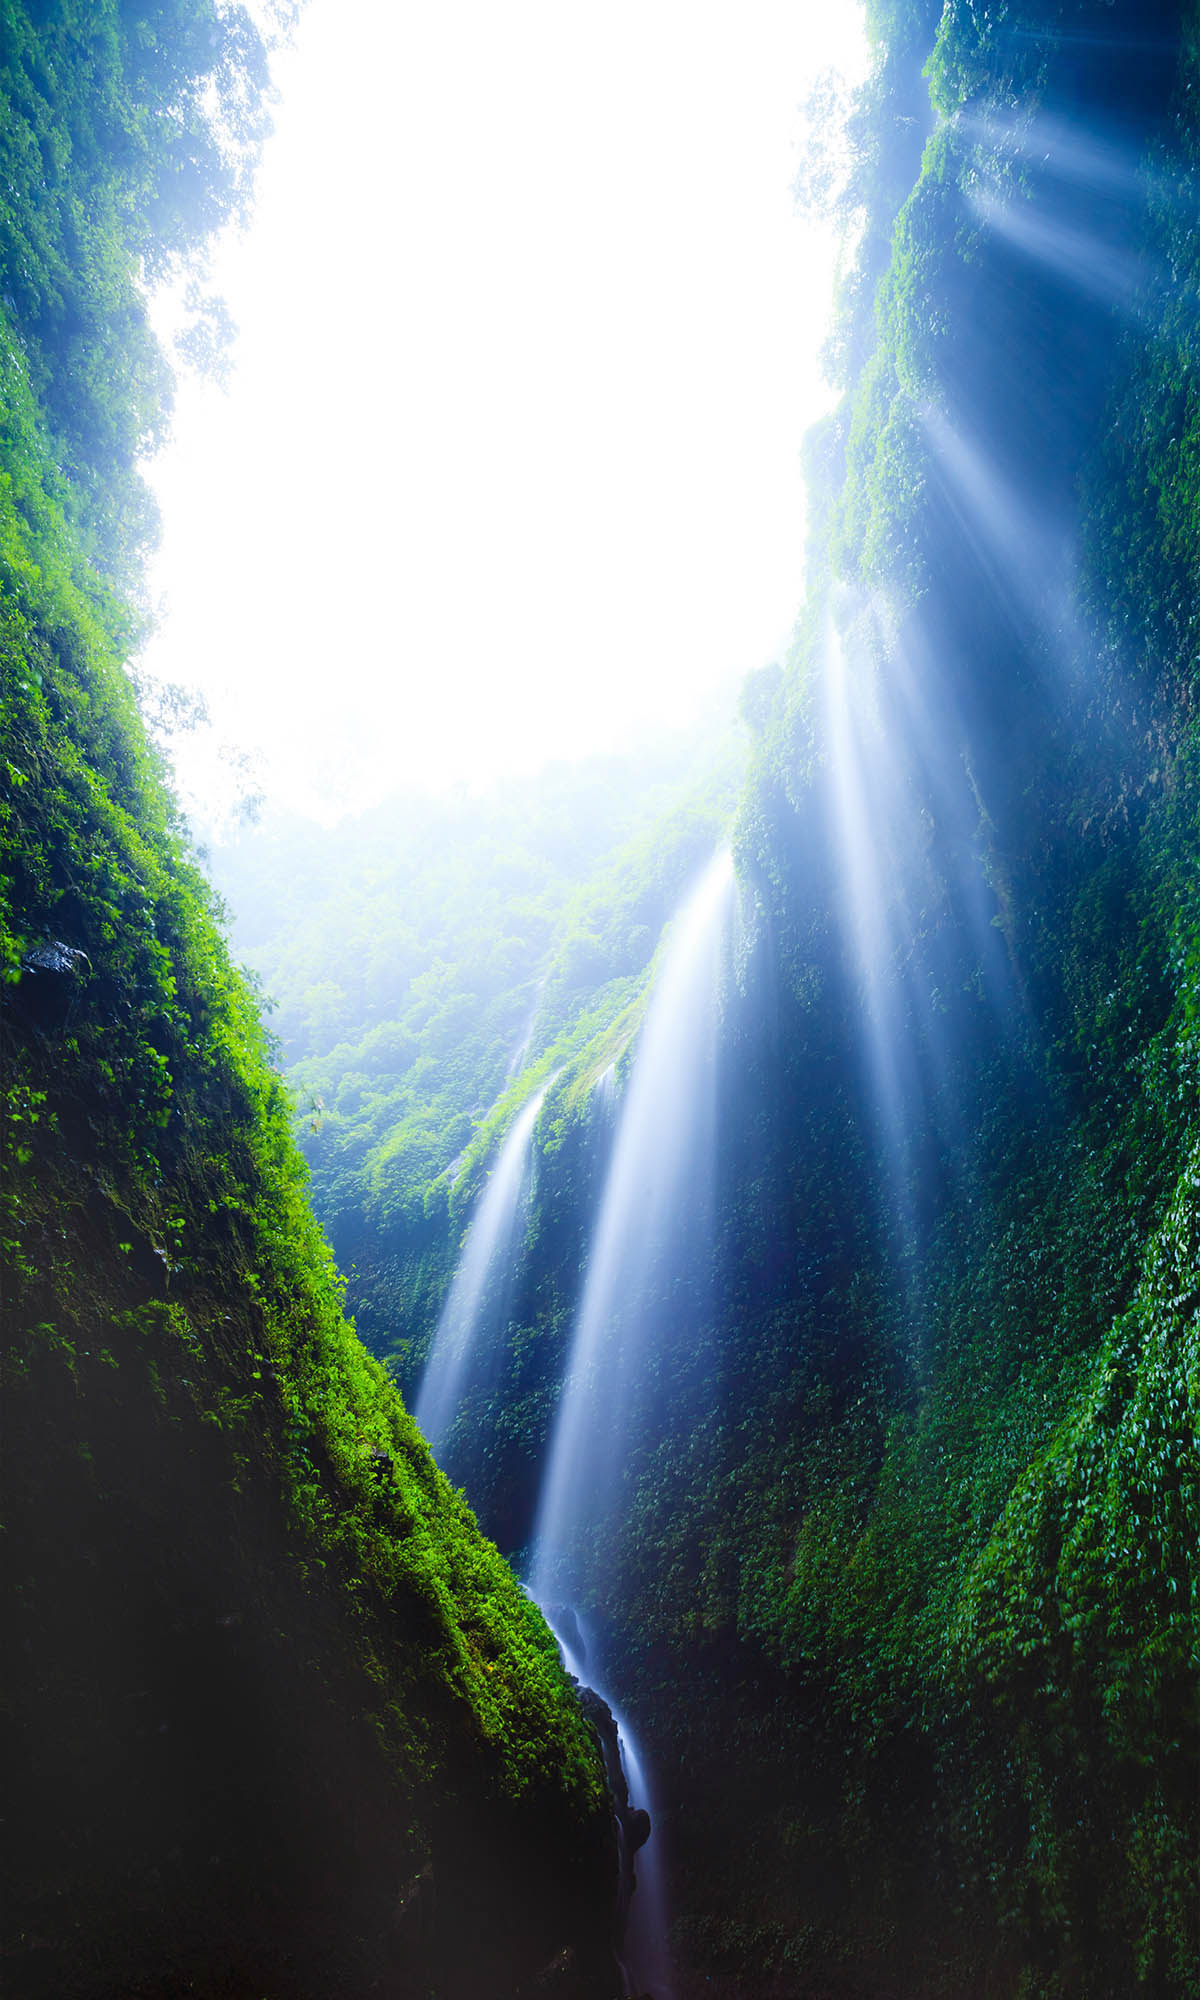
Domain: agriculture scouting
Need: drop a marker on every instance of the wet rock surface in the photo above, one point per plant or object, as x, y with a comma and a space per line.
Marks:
52, 977
633, 1822
566, 1625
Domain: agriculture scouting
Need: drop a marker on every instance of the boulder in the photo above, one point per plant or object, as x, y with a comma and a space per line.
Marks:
52, 976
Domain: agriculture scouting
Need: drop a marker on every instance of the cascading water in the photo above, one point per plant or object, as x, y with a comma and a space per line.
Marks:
653, 1227
516, 1061
655, 1201
486, 1253
647, 1964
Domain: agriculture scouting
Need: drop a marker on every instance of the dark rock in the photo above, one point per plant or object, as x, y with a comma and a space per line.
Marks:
565, 1625
52, 975
601, 1717
56, 957
559, 1976
415, 1911
633, 1822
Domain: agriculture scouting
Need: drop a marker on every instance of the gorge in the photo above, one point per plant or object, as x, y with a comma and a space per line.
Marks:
769, 1173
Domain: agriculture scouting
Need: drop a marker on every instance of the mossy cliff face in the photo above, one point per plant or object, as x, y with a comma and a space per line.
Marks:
903, 1587
934, 1550
277, 1717
904, 1590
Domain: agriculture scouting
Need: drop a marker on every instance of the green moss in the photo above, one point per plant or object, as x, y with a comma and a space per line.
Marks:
188, 1411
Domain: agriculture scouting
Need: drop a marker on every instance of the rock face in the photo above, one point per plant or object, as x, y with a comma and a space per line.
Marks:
52, 976
566, 1624
277, 1718
632, 1822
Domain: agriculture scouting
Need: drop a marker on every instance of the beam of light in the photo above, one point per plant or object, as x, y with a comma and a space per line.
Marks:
1025, 559
1112, 276
1080, 205
910, 838
874, 914
938, 750
1067, 153
1031, 566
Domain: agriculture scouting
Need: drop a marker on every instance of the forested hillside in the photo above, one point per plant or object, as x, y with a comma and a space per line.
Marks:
423, 960
815, 1261
896, 1571
277, 1718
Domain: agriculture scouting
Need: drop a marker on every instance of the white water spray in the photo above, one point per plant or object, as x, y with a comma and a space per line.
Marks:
646, 1960
658, 1183
652, 1229
487, 1249
517, 1060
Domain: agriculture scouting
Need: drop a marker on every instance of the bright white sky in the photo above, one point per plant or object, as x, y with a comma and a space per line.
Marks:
509, 468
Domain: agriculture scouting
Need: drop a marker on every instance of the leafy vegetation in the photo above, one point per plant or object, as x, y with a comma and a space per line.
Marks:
904, 1596
940, 1530
903, 1590
130, 135
428, 959
268, 1670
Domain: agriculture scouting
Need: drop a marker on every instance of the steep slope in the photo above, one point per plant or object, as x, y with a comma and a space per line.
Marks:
904, 1595
940, 1537
277, 1717
421, 958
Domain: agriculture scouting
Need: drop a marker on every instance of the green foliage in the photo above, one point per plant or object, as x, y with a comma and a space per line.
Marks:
905, 1586
192, 1126
130, 135
429, 963
187, 1408
909, 1547
907, 1556
1080, 1621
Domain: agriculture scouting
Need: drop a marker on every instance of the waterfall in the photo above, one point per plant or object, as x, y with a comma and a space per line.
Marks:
652, 1232
647, 1965
516, 1061
655, 1200
486, 1252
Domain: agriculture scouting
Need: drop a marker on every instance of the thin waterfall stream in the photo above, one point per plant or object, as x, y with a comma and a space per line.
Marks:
654, 1220
487, 1251
653, 1226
